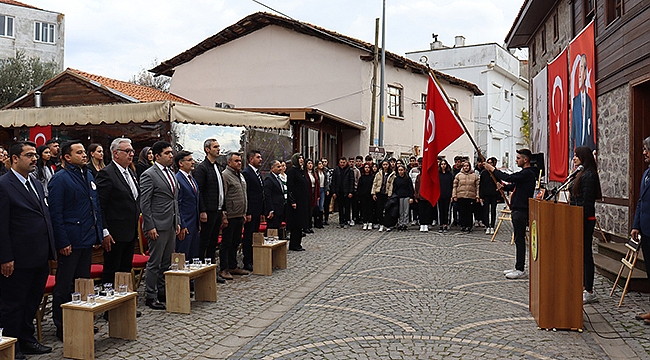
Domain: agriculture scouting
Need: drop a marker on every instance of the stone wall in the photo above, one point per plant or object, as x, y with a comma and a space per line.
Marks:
613, 137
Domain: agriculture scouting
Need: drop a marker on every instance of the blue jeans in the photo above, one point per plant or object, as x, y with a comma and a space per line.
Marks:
321, 200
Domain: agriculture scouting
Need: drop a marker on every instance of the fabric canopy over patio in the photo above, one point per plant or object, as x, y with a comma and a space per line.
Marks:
150, 112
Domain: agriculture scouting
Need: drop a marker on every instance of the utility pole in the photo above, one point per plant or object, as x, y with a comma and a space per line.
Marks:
375, 65
382, 96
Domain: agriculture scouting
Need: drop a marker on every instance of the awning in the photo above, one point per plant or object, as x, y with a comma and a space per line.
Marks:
138, 113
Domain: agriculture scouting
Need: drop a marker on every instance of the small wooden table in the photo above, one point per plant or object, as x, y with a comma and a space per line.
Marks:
78, 323
266, 257
7, 348
177, 284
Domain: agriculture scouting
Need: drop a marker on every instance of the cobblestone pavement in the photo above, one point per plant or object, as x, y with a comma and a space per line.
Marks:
358, 294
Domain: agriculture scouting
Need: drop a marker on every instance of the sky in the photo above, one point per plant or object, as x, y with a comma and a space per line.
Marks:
119, 38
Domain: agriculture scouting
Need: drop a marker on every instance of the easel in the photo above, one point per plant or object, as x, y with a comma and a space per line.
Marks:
629, 261
506, 215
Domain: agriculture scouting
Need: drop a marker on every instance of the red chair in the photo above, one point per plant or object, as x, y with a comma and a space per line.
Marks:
139, 263
262, 228
40, 312
96, 271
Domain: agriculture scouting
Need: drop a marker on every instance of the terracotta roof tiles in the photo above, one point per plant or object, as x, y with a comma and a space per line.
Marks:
18, 3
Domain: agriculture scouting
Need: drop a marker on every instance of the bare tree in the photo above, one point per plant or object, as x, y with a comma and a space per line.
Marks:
144, 77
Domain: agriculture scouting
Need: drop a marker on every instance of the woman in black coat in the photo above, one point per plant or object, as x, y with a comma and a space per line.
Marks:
488, 192
446, 178
297, 202
585, 191
363, 192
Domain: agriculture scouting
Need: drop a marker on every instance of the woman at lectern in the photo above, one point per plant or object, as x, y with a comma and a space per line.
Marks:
585, 191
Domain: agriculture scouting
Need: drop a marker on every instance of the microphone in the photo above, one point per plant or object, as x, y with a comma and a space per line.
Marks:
575, 172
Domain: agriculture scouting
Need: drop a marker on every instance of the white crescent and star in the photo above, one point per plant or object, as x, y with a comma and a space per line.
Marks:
431, 124
38, 136
557, 84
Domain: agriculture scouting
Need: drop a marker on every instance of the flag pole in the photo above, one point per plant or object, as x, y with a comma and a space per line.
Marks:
481, 158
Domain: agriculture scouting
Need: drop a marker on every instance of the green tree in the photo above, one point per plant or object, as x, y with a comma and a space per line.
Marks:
21, 74
525, 127
144, 77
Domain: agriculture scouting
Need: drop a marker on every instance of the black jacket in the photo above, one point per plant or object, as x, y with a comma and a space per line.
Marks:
342, 181
446, 184
365, 185
120, 211
273, 196
523, 184
588, 189
487, 188
206, 179
403, 187
254, 192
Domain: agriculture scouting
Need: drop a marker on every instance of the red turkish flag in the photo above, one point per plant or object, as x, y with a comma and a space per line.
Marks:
558, 117
582, 90
40, 134
441, 128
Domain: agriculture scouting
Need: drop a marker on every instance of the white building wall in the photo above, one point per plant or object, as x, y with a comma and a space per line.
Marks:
496, 72
23, 38
280, 68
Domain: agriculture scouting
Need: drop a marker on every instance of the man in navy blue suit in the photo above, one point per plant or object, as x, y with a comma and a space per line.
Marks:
77, 224
187, 240
582, 133
26, 244
641, 224
255, 196
274, 203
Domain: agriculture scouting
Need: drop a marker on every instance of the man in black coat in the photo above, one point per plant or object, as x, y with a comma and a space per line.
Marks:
343, 189
211, 200
274, 197
255, 197
26, 245
118, 198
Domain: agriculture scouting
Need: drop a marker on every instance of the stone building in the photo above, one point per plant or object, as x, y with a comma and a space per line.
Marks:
622, 80
502, 77
36, 32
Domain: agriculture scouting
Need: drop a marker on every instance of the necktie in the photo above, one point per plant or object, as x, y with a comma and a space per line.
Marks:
259, 178
192, 182
171, 180
32, 191
129, 180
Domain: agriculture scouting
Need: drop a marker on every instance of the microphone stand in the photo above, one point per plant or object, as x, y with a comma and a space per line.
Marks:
555, 192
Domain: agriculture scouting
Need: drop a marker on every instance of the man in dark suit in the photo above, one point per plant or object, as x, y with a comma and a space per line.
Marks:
582, 133
26, 245
274, 203
641, 224
211, 200
159, 204
187, 241
118, 197
76, 221
255, 197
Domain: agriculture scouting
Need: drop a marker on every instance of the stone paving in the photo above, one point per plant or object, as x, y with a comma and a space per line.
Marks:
358, 294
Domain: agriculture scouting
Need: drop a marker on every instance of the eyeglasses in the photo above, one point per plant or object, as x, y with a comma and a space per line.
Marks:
128, 151
30, 155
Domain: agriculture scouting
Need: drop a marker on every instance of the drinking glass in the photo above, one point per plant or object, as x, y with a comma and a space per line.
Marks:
174, 267
97, 291
123, 289
208, 261
187, 265
91, 299
76, 297
197, 263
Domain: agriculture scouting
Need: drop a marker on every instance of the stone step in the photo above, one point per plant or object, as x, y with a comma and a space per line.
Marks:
609, 268
617, 251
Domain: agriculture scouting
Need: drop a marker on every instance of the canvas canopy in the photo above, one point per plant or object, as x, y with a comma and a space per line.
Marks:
138, 113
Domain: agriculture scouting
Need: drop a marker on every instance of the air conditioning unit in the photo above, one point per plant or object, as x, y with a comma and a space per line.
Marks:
224, 105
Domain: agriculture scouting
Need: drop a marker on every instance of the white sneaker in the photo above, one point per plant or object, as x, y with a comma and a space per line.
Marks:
487, 231
506, 272
351, 222
588, 298
517, 274
434, 223
426, 228
491, 231
370, 226
387, 228
381, 228
421, 228
365, 226
375, 226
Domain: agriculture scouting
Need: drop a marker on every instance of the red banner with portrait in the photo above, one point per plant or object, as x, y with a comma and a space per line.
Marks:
582, 90
558, 111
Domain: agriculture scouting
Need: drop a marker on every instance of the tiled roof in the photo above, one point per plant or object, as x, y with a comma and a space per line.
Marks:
17, 3
138, 92
259, 20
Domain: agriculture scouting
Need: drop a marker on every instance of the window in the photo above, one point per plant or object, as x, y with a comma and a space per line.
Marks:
543, 42
454, 104
506, 95
496, 97
6, 26
423, 101
613, 10
556, 27
395, 101
533, 53
589, 10
44, 32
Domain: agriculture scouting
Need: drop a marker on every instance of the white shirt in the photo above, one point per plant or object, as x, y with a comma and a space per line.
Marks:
167, 174
24, 180
220, 184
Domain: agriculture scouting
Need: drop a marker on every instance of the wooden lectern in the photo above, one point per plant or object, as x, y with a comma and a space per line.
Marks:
556, 264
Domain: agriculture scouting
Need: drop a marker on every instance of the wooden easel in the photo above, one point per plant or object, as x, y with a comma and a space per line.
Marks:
506, 215
629, 261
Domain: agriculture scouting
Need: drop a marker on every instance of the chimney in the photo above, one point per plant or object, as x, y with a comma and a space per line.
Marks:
435, 45
459, 41
37, 99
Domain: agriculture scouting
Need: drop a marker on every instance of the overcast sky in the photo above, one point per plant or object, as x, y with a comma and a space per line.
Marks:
117, 38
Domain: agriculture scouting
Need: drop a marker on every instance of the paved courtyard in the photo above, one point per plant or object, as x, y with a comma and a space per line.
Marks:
358, 294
